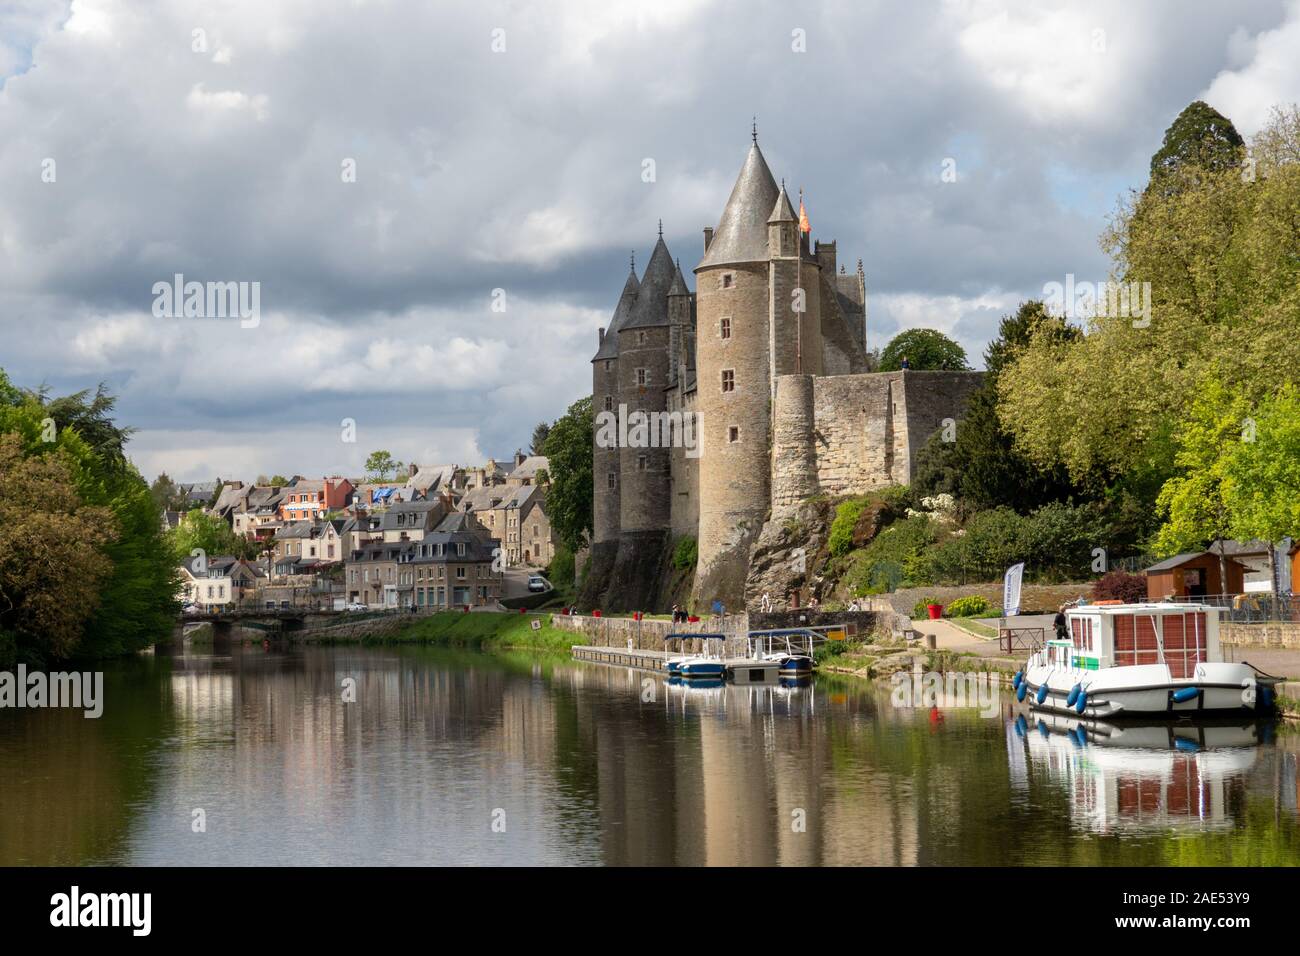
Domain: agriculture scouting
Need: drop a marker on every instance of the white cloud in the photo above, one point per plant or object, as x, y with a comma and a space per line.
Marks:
1269, 75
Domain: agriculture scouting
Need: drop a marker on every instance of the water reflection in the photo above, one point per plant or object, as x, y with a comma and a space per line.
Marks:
356, 755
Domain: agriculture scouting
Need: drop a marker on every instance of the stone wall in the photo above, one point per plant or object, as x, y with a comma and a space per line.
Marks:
644, 635
1286, 634
1034, 598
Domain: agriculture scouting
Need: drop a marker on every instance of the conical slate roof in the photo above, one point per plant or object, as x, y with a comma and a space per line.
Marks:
783, 211
609, 345
651, 306
679, 282
741, 235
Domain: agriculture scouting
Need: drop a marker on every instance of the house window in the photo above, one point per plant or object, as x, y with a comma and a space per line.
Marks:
724, 327
727, 280
611, 480
460, 548
642, 376
733, 434
460, 573
609, 403
728, 380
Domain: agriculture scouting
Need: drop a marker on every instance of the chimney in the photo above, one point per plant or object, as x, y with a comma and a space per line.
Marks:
602, 336
708, 237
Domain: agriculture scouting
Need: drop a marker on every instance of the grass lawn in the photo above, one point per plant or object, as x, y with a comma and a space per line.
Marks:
484, 630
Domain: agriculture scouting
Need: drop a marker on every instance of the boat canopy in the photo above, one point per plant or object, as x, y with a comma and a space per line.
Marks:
680, 635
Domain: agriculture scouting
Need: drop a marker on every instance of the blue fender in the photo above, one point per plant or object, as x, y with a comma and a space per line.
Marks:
1074, 695
1015, 681
1185, 745
1042, 692
1022, 689
1264, 699
1081, 735
1021, 726
1042, 729
1186, 694
1082, 703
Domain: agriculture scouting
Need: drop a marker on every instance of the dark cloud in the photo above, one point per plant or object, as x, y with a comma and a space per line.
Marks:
522, 170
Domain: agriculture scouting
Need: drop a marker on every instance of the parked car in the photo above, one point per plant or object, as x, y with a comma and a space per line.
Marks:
190, 607
537, 584
355, 606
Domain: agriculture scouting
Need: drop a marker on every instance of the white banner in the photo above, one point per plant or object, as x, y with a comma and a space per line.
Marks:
1011, 589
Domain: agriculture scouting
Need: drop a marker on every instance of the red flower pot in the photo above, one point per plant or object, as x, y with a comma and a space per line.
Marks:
936, 611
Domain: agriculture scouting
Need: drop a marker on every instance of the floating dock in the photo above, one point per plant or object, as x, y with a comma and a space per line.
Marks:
621, 657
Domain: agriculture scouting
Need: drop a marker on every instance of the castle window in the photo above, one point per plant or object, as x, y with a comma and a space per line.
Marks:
609, 364
612, 481
728, 280
728, 380
609, 403
642, 376
640, 338
641, 463
724, 327
733, 434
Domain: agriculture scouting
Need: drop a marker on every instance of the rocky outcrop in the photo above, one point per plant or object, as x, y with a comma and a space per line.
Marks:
788, 555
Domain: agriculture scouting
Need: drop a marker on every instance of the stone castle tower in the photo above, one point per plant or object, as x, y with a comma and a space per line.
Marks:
728, 378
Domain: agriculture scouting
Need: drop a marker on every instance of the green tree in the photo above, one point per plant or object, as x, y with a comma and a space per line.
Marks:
211, 534
381, 466
53, 567
569, 447
924, 349
1192, 502
1200, 136
138, 600
1218, 261
164, 493
540, 431
1261, 471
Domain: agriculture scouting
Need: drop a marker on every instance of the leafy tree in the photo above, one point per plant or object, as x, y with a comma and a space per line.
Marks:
138, 601
1192, 502
569, 446
381, 466
198, 529
164, 493
52, 562
1261, 471
1218, 260
924, 349
1200, 137
540, 431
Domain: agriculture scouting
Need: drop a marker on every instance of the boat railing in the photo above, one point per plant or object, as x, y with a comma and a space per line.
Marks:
1012, 639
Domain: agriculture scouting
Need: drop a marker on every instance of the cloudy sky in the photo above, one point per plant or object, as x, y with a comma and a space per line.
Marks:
501, 145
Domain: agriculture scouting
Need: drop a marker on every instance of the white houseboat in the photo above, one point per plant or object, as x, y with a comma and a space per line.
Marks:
1149, 659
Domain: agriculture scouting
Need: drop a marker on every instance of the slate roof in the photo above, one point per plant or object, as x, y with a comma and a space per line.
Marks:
650, 309
741, 234
609, 344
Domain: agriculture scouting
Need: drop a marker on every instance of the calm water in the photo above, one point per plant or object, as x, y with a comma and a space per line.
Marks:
585, 764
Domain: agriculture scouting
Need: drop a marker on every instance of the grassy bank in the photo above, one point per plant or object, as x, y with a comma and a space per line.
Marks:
484, 631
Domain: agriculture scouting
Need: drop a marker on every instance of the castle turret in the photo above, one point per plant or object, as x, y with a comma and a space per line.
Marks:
734, 383
605, 397
643, 366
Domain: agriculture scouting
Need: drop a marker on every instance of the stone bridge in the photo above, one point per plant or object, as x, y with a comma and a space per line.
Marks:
273, 623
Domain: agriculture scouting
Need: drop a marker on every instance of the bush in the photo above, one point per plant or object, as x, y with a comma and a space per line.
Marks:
888, 560
846, 518
561, 568
1120, 586
969, 606
686, 554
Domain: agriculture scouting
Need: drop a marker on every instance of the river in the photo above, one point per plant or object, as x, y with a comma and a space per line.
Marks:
350, 755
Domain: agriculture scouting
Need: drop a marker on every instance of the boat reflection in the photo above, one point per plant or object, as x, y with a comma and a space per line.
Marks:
1129, 777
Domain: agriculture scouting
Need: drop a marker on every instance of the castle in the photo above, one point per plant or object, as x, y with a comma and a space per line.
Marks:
721, 409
